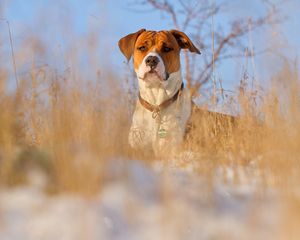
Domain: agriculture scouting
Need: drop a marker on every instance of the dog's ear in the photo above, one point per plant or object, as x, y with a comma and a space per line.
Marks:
126, 44
184, 41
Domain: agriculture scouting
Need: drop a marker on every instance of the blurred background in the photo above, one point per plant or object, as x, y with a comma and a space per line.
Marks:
267, 30
67, 95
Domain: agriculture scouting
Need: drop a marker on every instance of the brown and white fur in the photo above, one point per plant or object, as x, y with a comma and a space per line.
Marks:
156, 58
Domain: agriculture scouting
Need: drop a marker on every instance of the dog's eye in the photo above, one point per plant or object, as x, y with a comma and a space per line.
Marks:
142, 48
167, 49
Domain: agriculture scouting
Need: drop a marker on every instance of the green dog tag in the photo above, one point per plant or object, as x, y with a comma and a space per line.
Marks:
162, 133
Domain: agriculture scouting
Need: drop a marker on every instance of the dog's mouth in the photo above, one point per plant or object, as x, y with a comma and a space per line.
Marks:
152, 73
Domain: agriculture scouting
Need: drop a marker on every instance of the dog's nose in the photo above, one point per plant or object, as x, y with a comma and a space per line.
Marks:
152, 61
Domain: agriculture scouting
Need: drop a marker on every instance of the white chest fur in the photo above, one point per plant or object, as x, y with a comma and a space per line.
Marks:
164, 133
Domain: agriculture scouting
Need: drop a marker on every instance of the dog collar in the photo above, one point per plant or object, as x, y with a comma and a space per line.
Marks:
156, 109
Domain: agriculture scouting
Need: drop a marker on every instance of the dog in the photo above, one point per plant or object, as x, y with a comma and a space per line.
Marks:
164, 105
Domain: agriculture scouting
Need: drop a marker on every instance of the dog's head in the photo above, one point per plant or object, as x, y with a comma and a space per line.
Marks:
155, 53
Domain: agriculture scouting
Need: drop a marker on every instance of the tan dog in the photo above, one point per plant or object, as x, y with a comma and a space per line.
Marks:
164, 105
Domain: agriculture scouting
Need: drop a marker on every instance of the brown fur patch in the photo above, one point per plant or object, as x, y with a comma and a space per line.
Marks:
157, 41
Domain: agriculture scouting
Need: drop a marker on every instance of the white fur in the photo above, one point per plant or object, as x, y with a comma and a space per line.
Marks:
144, 129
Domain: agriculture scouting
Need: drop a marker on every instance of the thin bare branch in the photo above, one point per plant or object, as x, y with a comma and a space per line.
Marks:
195, 17
12, 51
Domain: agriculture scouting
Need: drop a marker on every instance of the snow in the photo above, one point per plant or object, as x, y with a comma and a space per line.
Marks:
158, 201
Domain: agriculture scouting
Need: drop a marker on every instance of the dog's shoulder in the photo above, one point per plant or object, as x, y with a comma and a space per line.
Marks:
200, 114
204, 122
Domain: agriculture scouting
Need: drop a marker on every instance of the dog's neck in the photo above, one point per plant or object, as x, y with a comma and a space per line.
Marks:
156, 94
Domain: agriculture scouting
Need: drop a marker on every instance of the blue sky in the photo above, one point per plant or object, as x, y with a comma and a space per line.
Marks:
114, 19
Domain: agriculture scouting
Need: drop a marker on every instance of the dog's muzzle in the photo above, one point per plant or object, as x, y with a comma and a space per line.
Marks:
152, 70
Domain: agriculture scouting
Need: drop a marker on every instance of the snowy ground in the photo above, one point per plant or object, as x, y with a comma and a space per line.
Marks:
158, 202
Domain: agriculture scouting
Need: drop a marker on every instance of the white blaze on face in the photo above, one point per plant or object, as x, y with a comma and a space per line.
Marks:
152, 79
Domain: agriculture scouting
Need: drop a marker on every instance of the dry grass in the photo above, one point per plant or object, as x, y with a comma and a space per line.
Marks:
68, 119
68, 131
62, 117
